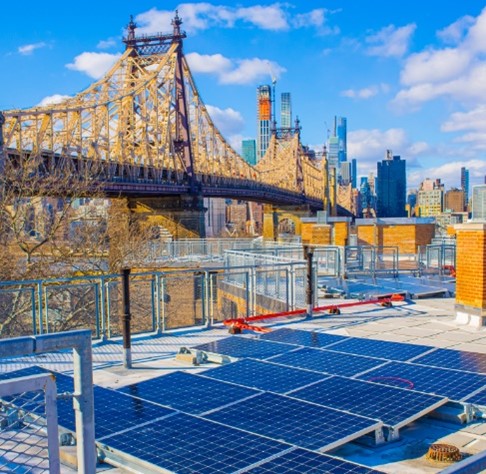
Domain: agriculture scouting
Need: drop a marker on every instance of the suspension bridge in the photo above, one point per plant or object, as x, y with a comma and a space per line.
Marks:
145, 132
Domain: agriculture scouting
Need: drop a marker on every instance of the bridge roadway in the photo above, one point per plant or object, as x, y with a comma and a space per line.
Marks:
138, 181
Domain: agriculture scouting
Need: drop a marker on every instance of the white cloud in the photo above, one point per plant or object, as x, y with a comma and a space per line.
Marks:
270, 17
28, 49
201, 16
453, 33
242, 71
366, 92
434, 66
473, 119
106, 44
391, 41
249, 71
228, 121
53, 99
208, 63
372, 144
93, 64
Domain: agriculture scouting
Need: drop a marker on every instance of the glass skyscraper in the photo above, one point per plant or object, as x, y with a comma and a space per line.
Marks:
340, 131
392, 187
465, 185
285, 110
248, 150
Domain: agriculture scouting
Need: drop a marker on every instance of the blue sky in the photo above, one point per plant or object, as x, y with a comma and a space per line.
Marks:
408, 76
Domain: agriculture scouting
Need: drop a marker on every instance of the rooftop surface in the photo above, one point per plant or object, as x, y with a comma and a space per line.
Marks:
429, 322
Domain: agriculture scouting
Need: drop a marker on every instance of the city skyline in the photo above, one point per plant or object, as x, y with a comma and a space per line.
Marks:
407, 78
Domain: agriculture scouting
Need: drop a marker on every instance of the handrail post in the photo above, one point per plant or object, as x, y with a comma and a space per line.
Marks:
309, 256
127, 354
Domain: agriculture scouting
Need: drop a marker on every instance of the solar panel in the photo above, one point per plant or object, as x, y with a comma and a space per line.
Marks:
300, 461
114, 411
449, 383
190, 393
399, 351
263, 375
330, 362
452, 359
395, 407
478, 398
188, 444
303, 424
302, 338
237, 346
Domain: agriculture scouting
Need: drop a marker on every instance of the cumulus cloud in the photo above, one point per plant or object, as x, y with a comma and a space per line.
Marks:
366, 92
208, 63
241, 71
53, 99
453, 33
28, 49
457, 73
371, 144
201, 16
228, 121
93, 64
391, 41
249, 71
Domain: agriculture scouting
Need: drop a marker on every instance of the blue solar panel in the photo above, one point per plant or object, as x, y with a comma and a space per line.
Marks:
302, 338
321, 360
385, 349
263, 375
237, 346
188, 444
303, 424
190, 393
451, 359
445, 382
394, 406
299, 461
113, 411
478, 398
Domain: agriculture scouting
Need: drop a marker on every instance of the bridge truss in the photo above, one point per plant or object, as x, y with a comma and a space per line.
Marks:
146, 131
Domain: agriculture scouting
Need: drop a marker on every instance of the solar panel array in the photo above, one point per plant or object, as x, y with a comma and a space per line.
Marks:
396, 407
452, 359
264, 375
449, 383
297, 422
244, 347
302, 338
189, 393
300, 460
330, 362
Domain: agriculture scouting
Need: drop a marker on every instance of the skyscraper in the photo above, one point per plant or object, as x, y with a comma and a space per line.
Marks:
264, 119
248, 150
465, 185
354, 172
285, 110
340, 131
479, 203
392, 187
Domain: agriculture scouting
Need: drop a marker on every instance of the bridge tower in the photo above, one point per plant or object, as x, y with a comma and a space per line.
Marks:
186, 209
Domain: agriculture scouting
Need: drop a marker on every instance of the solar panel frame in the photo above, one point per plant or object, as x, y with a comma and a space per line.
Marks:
327, 361
239, 347
387, 350
454, 359
189, 393
263, 375
191, 444
395, 407
301, 337
295, 421
299, 460
455, 385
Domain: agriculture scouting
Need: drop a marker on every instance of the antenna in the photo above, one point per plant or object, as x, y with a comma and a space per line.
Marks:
272, 98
